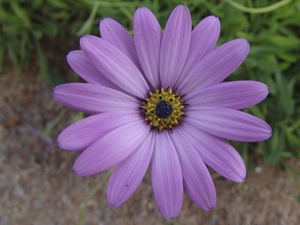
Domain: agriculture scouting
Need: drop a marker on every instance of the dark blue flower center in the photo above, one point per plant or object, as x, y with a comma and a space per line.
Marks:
163, 109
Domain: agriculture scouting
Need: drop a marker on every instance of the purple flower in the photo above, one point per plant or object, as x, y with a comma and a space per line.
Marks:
158, 100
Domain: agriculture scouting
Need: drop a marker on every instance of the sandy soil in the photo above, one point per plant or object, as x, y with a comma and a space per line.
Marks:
37, 184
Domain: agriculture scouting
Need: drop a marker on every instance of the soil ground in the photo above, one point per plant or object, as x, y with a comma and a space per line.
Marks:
37, 184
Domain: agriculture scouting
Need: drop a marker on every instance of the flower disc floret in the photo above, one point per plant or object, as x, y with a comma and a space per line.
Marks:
163, 109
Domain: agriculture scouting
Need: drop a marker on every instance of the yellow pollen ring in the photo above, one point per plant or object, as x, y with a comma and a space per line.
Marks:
171, 98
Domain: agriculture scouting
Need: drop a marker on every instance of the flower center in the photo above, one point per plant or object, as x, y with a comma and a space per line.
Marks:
163, 109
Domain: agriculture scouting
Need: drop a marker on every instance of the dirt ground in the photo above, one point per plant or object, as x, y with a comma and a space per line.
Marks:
38, 186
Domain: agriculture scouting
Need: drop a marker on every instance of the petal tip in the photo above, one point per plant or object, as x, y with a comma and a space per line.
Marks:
182, 6
240, 177
141, 10
105, 19
58, 142
113, 203
213, 19
104, 23
246, 44
170, 216
87, 39
78, 170
69, 57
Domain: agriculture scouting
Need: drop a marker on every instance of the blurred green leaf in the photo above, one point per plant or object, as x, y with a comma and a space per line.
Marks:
276, 148
286, 42
87, 26
285, 92
42, 61
21, 14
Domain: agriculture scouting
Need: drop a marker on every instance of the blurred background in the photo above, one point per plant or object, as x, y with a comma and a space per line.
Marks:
37, 184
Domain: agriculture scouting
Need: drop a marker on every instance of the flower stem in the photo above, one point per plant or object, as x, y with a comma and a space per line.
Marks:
258, 10
91, 195
47, 131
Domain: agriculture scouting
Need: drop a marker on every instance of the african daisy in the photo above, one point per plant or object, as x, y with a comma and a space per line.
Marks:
157, 100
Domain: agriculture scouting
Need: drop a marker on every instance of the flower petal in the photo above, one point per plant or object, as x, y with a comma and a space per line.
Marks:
85, 132
111, 149
92, 99
228, 123
115, 34
217, 154
197, 181
86, 70
204, 38
129, 173
175, 45
216, 66
235, 95
166, 177
147, 36
114, 65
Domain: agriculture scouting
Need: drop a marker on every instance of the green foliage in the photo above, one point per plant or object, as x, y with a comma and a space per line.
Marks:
273, 31
24, 23
274, 59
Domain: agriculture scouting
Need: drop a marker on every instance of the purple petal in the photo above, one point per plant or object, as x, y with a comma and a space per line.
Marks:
216, 66
228, 123
83, 133
114, 65
235, 95
111, 149
204, 38
166, 177
128, 174
92, 99
86, 70
115, 34
197, 181
217, 154
147, 36
175, 45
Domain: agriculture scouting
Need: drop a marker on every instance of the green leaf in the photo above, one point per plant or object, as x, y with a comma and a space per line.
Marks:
21, 14
286, 42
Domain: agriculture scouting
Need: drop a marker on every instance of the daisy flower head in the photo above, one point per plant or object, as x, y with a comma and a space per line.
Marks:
156, 100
